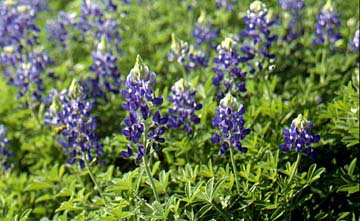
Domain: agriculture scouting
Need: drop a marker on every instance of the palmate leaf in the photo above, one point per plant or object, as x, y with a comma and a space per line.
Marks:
313, 174
344, 115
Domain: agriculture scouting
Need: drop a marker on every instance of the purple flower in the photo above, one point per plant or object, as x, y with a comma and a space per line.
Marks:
230, 123
354, 43
228, 75
299, 136
227, 4
140, 97
96, 20
58, 30
37, 5
293, 7
258, 37
183, 112
186, 55
107, 76
326, 25
17, 24
204, 33
179, 50
71, 113
10, 56
27, 74
197, 59
3, 144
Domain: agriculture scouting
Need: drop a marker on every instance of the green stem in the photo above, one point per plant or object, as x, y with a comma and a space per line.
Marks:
293, 172
152, 184
234, 170
323, 65
139, 179
266, 81
94, 179
33, 114
220, 211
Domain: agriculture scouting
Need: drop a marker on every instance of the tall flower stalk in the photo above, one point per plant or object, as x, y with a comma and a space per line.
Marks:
143, 127
70, 113
230, 131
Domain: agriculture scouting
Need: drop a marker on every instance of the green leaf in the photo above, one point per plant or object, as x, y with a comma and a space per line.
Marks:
68, 206
25, 215
351, 167
45, 197
350, 188
37, 185
342, 216
277, 213
211, 189
64, 192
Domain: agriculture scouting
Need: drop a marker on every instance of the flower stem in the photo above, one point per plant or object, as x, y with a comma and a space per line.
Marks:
323, 65
152, 184
33, 113
94, 179
220, 211
234, 170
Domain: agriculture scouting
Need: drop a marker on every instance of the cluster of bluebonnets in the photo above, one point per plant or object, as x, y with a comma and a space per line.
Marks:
70, 113
299, 136
292, 18
139, 97
24, 62
326, 27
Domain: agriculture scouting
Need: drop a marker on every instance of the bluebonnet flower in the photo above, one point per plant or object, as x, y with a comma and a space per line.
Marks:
26, 75
227, 4
325, 27
139, 96
107, 76
96, 19
183, 112
179, 50
204, 33
187, 55
230, 123
3, 144
40, 58
293, 7
37, 5
17, 24
58, 30
10, 56
354, 43
228, 76
256, 47
299, 136
71, 112
197, 59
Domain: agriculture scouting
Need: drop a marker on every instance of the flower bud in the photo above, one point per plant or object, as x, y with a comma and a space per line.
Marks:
180, 85
75, 89
228, 44
229, 101
55, 105
102, 46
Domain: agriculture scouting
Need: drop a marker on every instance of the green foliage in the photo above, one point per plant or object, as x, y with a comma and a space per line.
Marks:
193, 180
